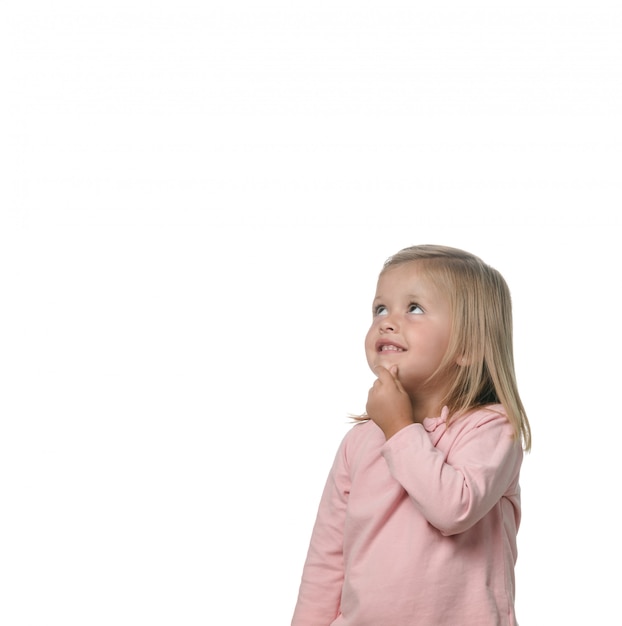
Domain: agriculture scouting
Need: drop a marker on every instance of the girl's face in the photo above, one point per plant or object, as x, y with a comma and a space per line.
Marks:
411, 327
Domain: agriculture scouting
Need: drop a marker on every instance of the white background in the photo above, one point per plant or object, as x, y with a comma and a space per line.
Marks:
196, 198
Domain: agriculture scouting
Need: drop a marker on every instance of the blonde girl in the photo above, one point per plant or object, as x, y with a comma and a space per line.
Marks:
418, 519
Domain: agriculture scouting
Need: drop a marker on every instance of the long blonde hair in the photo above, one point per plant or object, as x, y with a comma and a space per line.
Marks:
481, 335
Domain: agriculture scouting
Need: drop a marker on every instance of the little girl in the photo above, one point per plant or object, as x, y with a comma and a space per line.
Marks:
418, 520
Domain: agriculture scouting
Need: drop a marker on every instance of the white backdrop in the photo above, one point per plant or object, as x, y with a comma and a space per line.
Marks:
196, 199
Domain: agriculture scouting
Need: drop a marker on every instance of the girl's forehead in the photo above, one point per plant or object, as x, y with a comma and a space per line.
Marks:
403, 273
410, 276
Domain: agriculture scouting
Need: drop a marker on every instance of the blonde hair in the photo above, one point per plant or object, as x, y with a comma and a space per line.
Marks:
481, 334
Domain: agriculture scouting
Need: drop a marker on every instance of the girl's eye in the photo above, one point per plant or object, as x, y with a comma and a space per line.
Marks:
415, 309
380, 310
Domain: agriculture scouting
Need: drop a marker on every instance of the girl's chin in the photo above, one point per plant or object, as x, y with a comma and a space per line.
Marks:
385, 362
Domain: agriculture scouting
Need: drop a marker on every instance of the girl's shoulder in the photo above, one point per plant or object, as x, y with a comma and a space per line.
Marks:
363, 435
491, 417
487, 413
362, 431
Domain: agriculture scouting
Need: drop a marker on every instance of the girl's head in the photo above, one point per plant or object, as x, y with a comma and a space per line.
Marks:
453, 308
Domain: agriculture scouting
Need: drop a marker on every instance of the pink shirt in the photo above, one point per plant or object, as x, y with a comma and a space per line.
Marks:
419, 530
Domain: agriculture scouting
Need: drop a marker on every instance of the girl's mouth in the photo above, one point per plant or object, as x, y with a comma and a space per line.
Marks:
389, 347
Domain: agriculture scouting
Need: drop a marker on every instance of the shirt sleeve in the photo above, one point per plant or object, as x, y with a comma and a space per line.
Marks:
454, 493
319, 596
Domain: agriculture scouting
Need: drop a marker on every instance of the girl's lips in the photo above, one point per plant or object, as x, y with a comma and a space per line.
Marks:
387, 347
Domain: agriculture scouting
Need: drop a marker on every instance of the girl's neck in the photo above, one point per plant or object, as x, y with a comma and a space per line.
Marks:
423, 406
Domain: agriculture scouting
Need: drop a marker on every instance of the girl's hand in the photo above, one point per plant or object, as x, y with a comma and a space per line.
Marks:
388, 404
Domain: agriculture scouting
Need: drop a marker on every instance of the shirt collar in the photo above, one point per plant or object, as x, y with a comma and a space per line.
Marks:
432, 423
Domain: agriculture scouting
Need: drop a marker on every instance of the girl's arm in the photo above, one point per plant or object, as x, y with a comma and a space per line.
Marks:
322, 578
482, 463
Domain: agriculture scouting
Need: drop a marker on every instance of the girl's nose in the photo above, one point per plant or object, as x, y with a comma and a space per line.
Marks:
387, 325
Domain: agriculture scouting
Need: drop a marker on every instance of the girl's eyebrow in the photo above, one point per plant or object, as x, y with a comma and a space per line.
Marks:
410, 296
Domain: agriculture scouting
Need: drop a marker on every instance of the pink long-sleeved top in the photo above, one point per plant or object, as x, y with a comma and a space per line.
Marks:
419, 530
